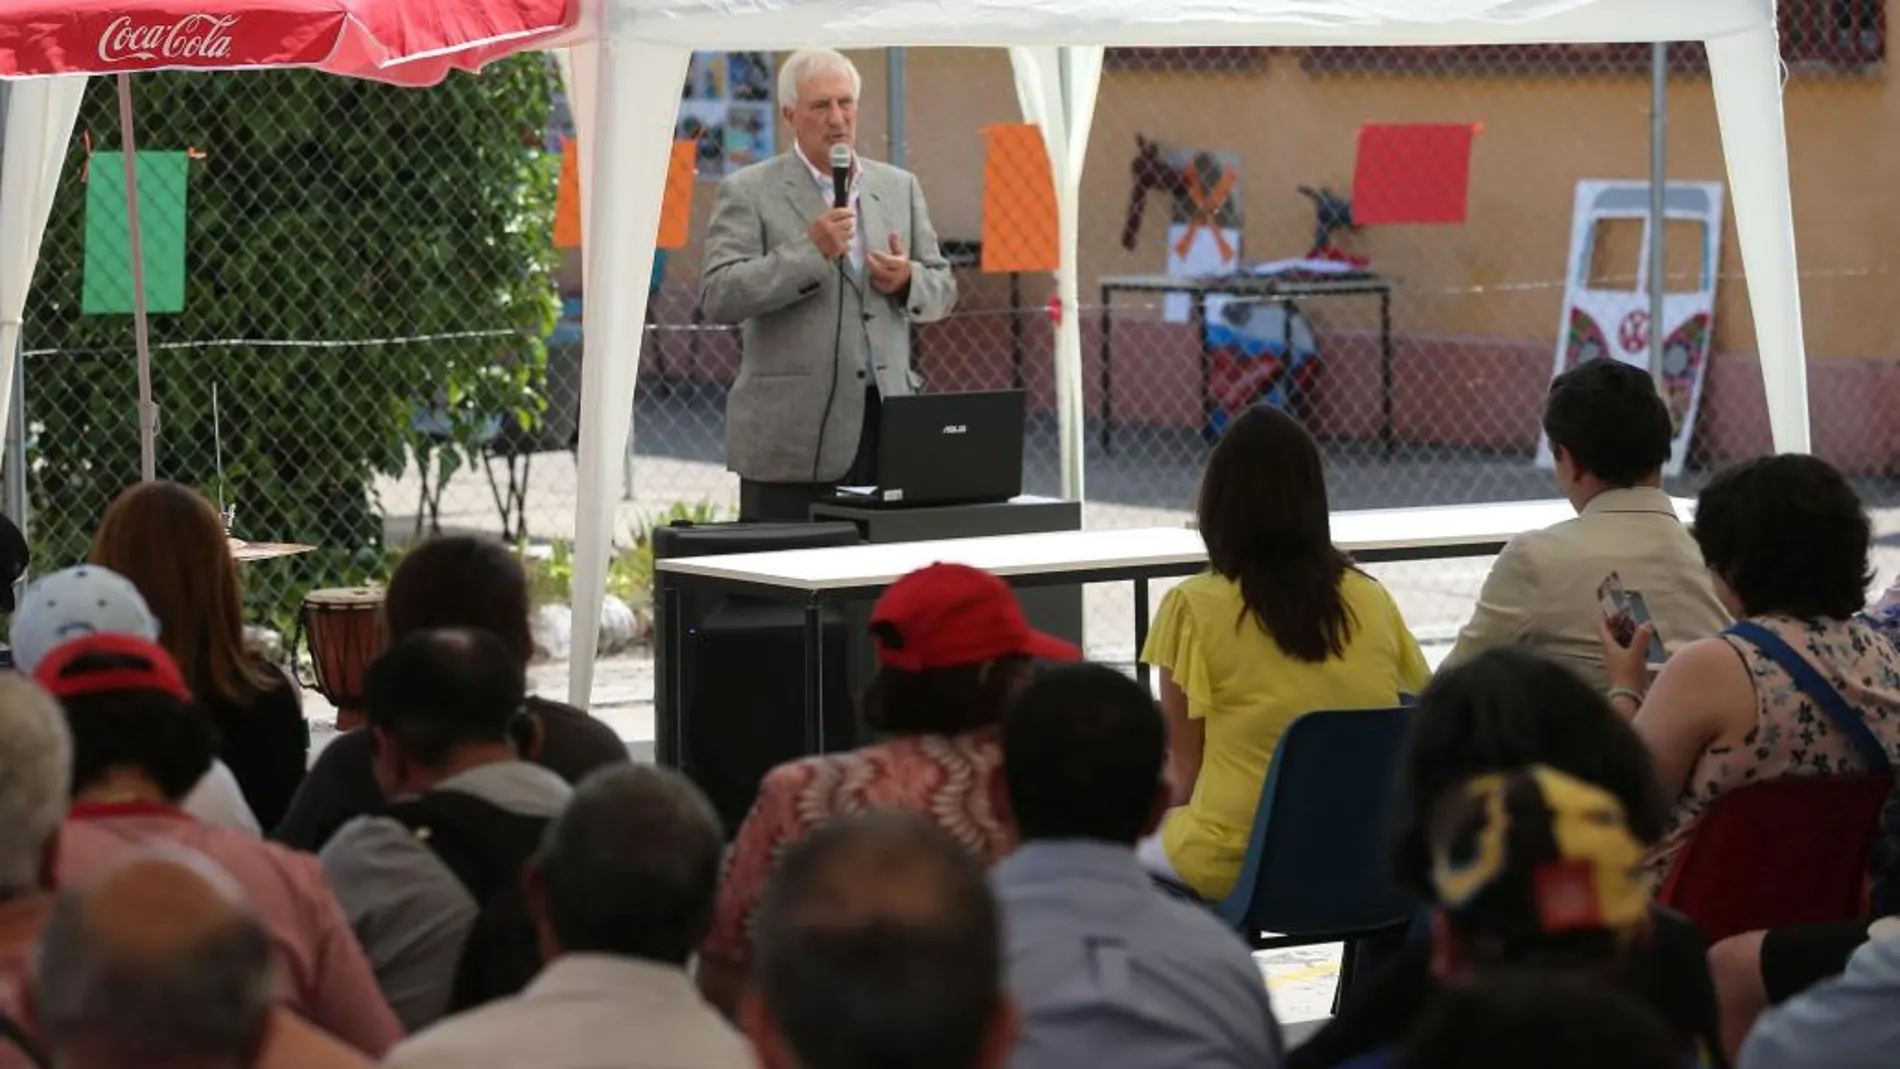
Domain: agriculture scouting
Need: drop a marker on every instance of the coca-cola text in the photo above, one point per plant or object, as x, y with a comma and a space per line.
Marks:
191, 38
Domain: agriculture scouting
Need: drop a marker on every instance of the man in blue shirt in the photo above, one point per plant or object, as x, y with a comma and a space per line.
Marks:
1108, 972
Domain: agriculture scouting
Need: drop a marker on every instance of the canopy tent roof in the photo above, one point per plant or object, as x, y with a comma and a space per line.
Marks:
626, 59
408, 42
1172, 23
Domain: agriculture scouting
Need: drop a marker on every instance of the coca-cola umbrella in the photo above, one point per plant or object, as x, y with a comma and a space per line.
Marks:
403, 42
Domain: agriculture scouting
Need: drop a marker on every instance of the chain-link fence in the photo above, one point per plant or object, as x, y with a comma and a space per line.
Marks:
1390, 233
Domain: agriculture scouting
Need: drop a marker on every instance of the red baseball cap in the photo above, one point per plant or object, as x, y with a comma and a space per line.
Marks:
950, 615
148, 668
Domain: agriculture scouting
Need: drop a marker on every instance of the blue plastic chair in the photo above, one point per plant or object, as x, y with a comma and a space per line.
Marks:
1315, 870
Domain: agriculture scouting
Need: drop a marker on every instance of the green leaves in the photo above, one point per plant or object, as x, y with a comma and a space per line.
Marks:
354, 252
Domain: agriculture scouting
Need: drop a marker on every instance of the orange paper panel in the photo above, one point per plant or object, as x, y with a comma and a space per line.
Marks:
567, 200
1019, 201
676, 211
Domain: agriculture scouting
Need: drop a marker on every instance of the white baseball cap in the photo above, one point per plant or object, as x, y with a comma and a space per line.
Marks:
79, 601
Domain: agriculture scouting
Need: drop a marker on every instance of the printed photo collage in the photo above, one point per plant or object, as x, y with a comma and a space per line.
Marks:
725, 106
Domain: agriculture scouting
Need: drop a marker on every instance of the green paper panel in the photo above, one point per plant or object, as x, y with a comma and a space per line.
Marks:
162, 187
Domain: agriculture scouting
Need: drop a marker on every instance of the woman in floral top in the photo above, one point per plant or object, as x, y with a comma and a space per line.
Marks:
1786, 540
952, 648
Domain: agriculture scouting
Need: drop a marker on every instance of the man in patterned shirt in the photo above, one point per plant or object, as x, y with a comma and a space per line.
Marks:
953, 647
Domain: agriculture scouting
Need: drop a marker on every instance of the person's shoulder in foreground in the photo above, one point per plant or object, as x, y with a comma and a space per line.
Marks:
1844, 1023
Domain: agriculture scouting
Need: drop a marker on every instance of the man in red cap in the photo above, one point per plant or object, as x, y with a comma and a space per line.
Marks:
952, 648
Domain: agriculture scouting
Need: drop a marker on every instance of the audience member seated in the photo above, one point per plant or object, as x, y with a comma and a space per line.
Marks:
433, 885
1505, 709
1537, 870
1787, 541
169, 541
1550, 1022
14, 558
621, 892
1609, 433
1844, 1023
452, 581
1109, 972
879, 945
139, 744
91, 600
36, 760
1281, 625
159, 964
952, 648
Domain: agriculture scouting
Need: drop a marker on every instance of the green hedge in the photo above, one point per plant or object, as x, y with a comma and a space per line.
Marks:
325, 210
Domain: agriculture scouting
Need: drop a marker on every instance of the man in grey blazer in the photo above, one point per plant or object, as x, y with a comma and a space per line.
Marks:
824, 297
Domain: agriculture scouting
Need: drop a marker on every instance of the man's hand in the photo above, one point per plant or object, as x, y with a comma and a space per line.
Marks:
890, 271
832, 232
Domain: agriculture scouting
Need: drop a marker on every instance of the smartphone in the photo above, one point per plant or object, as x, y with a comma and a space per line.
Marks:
1626, 611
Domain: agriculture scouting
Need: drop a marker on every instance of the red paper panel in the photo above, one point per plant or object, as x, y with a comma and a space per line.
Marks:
1412, 174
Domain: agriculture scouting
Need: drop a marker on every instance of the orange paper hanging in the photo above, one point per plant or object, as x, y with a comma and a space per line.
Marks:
567, 199
676, 211
1019, 200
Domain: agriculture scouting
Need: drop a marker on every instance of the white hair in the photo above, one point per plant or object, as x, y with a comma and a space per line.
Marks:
804, 63
36, 768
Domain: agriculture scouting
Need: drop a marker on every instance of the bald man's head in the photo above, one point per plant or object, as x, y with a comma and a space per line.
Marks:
157, 963
878, 945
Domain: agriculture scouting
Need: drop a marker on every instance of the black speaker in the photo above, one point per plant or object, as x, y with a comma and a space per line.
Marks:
731, 705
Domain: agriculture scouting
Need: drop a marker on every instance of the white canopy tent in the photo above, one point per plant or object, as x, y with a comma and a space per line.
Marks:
629, 57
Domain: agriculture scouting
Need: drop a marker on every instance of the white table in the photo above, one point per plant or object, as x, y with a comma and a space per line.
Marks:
1136, 554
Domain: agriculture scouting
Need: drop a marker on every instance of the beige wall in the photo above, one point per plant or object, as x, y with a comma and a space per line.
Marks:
1498, 275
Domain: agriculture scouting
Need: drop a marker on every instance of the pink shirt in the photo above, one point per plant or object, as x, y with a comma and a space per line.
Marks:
326, 976
20, 924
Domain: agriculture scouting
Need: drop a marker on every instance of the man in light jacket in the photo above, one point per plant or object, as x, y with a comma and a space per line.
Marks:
824, 296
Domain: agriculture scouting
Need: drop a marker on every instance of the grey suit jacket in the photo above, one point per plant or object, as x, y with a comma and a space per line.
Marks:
796, 409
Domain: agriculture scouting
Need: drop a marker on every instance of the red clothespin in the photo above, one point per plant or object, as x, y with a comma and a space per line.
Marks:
85, 165
1055, 310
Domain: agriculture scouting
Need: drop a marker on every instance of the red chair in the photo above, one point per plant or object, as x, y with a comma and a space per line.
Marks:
1769, 855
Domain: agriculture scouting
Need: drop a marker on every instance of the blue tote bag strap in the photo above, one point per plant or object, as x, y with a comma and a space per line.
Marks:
1809, 681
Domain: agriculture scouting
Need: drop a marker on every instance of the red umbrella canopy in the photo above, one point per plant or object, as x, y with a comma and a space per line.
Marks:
407, 42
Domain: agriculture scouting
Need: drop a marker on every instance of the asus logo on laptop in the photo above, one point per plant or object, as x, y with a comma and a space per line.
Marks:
957, 428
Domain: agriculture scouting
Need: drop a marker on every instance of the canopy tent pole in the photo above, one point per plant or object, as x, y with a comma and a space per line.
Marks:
41, 114
1057, 89
141, 326
1744, 70
1658, 204
626, 102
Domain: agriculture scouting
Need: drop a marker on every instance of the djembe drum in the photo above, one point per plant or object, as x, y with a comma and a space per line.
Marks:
344, 630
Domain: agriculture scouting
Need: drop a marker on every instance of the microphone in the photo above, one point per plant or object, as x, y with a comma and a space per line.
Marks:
841, 176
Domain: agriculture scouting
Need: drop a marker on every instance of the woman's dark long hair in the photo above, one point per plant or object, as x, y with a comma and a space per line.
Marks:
1265, 521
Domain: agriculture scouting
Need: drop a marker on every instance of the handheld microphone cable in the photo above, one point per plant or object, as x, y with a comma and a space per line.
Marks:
840, 198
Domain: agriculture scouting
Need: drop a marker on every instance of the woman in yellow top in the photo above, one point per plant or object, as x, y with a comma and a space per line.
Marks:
1281, 625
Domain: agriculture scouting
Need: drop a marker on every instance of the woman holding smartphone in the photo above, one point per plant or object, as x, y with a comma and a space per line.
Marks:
1786, 541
